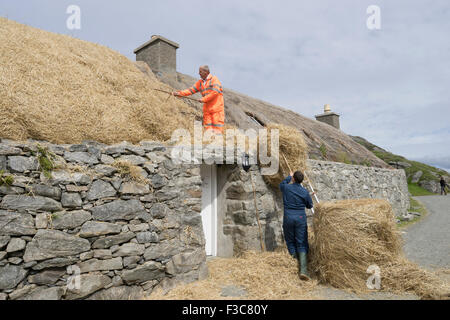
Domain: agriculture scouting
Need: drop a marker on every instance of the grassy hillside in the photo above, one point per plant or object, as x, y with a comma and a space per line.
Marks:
429, 173
417, 190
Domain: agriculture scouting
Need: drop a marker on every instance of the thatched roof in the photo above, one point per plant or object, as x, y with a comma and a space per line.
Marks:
64, 90
238, 107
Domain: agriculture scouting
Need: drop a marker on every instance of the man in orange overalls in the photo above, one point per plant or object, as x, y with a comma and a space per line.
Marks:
213, 106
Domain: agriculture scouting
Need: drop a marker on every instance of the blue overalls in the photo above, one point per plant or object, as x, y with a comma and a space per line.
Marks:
295, 199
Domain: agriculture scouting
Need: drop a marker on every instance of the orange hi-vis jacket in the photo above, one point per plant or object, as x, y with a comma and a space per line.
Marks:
213, 104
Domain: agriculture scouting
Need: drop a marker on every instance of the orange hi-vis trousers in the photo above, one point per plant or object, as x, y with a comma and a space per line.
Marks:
214, 121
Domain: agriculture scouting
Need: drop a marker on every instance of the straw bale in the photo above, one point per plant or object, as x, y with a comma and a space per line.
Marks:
64, 90
293, 146
351, 235
264, 275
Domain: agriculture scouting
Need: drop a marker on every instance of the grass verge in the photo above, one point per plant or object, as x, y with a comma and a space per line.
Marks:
415, 190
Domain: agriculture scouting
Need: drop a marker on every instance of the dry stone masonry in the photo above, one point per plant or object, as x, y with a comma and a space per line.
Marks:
339, 181
331, 181
122, 238
95, 231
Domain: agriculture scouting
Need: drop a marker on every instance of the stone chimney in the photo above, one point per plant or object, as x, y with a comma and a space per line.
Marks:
329, 117
160, 54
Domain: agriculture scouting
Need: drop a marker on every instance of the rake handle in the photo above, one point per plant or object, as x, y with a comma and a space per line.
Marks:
312, 189
179, 96
306, 176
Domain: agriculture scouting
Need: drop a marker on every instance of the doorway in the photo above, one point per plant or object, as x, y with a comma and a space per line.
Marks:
209, 207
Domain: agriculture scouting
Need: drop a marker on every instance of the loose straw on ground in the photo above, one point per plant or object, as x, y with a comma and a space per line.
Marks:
266, 275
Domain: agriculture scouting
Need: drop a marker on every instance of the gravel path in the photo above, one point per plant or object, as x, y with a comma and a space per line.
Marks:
427, 242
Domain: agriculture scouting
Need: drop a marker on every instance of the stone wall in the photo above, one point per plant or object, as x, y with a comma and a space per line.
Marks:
238, 215
331, 181
124, 238
338, 181
127, 238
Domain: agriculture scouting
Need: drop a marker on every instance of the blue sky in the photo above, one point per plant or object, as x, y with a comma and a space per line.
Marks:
390, 86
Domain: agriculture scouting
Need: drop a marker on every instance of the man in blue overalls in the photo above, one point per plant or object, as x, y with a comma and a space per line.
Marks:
295, 199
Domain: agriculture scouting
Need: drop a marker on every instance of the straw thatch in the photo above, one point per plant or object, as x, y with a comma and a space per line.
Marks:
64, 90
294, 148
264, 275
351, 235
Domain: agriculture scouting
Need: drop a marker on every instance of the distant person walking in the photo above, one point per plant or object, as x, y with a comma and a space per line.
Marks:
295, 200
443, 185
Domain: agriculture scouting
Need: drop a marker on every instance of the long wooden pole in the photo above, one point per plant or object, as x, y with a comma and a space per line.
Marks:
312, 189
263, 247
189, 98
309, 182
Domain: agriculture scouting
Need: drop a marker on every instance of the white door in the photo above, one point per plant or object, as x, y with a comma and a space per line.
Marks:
209, 207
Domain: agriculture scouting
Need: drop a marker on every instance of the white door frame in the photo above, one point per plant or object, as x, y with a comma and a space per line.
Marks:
209, 207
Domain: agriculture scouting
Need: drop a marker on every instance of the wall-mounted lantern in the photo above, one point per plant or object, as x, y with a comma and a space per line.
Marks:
246, 162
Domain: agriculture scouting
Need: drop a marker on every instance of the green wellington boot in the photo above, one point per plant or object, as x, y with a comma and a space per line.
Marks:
303, 259
297, 258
